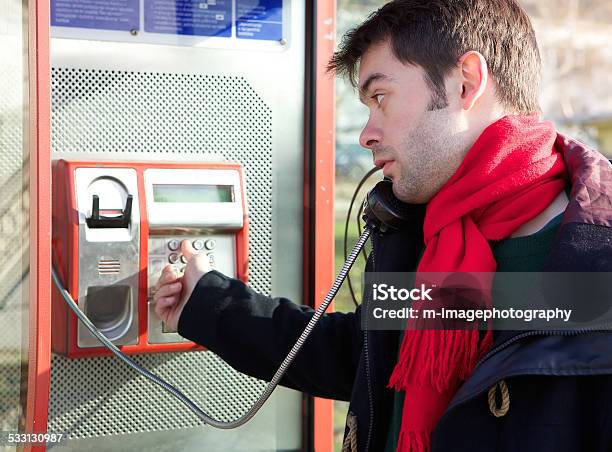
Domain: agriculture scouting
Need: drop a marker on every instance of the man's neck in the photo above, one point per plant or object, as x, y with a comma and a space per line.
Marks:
535, 224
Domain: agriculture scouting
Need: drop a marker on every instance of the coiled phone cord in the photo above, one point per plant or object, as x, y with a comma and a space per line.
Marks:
277, 376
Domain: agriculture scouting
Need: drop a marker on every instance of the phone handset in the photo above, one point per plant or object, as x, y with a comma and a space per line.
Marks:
382, 210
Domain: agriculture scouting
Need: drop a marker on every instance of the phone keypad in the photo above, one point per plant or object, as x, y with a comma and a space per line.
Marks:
220, 250
164, 251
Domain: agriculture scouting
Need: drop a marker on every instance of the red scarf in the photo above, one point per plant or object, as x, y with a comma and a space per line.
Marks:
510, 175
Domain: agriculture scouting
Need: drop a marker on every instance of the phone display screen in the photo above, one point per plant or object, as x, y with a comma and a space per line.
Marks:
184, 193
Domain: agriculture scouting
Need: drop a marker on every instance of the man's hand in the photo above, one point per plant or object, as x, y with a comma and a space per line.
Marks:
173, 290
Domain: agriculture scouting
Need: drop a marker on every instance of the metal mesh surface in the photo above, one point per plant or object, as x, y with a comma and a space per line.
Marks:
160, 116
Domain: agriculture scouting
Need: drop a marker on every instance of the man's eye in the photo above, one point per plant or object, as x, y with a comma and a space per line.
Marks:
378, 98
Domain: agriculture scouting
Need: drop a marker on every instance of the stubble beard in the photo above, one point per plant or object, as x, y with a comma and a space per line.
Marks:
431, 152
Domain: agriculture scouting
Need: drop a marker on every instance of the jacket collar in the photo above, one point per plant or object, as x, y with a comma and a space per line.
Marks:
590, 175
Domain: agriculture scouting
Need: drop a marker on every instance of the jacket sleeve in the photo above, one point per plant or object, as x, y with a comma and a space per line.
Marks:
253, 333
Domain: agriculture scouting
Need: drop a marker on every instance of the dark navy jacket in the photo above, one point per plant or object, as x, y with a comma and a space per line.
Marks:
560, 384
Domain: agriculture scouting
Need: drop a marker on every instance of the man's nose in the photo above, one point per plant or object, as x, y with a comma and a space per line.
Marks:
370, 136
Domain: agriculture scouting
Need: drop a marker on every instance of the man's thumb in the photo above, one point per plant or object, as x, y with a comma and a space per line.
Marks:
187, 249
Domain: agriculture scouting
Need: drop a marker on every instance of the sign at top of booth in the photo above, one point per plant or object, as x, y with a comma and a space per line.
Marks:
254, 19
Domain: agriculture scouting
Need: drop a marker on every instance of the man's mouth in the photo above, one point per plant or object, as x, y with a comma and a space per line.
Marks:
384, 165
380, 163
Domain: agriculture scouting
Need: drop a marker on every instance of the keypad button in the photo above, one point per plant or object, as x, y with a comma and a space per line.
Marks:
173, 258
210, 244
198, 244
183, 259
173, 245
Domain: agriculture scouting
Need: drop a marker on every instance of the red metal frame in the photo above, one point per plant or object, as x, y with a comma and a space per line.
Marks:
324, 177
39, 134
66, 252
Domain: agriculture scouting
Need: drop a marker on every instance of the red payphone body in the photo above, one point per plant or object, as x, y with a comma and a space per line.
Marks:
116, 225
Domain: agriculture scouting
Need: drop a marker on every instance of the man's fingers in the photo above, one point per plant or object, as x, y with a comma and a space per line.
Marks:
165, 302
187, 249
169, 290
168, 275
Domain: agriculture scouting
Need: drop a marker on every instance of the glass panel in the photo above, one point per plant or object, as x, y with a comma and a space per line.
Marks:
14, 227
352, 163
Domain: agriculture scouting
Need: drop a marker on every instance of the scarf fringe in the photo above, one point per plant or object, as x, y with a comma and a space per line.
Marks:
413, 441
438, 357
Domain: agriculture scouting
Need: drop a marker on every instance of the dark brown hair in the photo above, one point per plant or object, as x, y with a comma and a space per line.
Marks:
433, 34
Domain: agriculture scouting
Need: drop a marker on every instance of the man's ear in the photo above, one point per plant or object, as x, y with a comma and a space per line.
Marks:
474, 75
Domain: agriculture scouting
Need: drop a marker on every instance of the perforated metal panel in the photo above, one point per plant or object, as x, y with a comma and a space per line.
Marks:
102, 397
104, 113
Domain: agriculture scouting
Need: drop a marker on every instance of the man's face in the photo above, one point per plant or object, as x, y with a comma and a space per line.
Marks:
418, 144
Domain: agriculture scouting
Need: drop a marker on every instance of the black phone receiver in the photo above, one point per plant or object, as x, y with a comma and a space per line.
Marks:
383, 211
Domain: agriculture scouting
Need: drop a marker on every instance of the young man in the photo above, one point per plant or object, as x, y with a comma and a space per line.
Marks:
452, 87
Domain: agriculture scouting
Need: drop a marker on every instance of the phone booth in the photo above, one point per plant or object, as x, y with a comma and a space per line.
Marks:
152, 122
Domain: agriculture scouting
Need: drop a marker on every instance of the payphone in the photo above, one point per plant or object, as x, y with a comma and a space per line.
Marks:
116, 225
